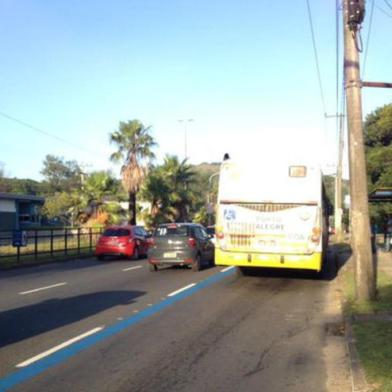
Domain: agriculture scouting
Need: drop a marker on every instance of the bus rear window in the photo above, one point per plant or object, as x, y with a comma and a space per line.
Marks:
297, 171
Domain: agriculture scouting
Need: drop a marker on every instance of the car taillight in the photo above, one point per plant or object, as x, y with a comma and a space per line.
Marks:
150, 242
192, 242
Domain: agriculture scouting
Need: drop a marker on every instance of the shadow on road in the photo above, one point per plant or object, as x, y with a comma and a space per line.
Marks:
28, 321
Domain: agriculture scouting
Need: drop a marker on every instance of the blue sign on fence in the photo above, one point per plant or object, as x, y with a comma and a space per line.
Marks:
19, 238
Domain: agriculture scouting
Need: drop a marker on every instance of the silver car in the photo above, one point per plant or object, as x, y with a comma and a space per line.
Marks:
180, 244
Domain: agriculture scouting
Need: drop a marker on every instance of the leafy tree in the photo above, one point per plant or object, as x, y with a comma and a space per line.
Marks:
59, 205
378, 127
89, 202
378, 142
61, 175
22, 186
134, 148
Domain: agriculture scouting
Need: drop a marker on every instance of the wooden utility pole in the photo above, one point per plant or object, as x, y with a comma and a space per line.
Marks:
360, 223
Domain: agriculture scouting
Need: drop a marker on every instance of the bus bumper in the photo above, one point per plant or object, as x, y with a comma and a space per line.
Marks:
268, 260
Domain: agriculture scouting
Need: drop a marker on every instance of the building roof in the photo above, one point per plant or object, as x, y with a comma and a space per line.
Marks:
381, 195
14, 196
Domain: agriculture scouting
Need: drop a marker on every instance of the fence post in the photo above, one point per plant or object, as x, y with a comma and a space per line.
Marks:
51, 242
65, 241
91, 239
18, 254
78, 241
35, 245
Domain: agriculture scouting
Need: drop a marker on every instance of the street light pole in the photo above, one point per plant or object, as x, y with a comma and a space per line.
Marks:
186, 121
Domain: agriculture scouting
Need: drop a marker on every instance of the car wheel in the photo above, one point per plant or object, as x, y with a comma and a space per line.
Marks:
136, 254
100, 257
196, 265
153, 267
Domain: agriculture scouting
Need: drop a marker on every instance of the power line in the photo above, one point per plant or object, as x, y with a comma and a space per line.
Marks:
368, 39
34, 128
388, 4
316, 56
383, 11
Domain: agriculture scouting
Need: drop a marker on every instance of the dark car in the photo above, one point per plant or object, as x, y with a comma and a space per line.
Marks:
128, 241
211, 233
180, 244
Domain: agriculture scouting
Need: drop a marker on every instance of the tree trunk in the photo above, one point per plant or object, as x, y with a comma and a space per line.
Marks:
132, 208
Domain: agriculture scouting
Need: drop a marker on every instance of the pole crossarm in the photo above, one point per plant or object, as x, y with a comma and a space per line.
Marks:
377, 84
334, 115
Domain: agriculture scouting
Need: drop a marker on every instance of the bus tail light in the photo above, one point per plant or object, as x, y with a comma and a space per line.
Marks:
316, 234
220, 235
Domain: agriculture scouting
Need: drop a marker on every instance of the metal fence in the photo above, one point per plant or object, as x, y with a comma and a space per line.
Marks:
50, 242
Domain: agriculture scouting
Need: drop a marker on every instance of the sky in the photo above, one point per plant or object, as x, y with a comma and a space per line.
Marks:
243, 71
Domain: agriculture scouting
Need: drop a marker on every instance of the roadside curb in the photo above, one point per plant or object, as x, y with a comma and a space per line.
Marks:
358, 378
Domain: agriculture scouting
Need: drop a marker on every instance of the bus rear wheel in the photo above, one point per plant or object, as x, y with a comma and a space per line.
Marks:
242, 271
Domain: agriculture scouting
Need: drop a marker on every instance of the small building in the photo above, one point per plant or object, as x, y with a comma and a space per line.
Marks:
19, 211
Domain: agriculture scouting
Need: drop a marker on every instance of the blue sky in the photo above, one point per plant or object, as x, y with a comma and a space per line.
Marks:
244, 71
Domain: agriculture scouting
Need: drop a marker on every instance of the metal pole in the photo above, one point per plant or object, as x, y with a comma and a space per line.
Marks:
338, 187
65, 241
35, 245
360, 224
186, 121
51, 242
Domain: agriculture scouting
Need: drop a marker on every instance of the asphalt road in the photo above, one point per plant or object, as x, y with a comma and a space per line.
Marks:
114, 326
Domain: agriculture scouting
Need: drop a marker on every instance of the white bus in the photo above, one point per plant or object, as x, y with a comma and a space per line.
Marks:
271, 215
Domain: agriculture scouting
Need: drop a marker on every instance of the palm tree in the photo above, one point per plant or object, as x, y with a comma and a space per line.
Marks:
134, 148
179, 178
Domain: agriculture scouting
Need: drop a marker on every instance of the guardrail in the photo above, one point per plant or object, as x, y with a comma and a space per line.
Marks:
50, 242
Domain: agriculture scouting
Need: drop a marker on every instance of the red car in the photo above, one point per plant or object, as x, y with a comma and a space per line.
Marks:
128, 241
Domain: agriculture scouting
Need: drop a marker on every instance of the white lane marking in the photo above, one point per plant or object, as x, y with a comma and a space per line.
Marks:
43, 288
227, 268
180, 290
59, 347
133, 268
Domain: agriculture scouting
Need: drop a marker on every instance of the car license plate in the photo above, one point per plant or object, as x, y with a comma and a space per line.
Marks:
170, 255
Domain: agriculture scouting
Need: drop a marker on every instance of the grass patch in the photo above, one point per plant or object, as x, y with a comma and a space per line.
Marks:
383, 303
373, 337
374, 344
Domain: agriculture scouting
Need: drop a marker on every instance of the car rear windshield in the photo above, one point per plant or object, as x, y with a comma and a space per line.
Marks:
164, 231
116, 233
